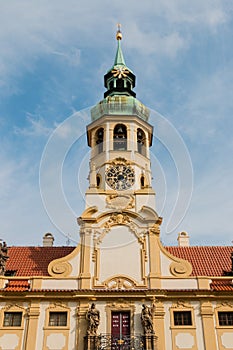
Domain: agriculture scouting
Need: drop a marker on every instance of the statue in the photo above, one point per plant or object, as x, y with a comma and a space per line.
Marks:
93, 317
3, 257
147, 320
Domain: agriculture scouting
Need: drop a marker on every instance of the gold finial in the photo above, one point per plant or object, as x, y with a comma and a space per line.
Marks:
118, 34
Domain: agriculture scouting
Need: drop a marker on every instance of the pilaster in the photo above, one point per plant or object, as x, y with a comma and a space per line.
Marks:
81, 327
32, 326
85, 258
208, 326
154, 253
158, 315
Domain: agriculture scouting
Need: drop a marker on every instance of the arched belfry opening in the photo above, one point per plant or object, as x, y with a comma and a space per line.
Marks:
141, 138
142, 181
120, 137
99, 139
98, 180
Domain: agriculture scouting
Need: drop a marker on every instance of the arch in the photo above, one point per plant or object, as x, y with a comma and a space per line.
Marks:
120, 137
99, 139
98, 180
142, 181
141, 138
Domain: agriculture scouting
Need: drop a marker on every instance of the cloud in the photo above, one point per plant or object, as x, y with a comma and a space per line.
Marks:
62, 45
72, 57
37, 127
40, 29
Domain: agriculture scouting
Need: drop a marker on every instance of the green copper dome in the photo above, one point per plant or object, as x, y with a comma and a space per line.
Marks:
120, 105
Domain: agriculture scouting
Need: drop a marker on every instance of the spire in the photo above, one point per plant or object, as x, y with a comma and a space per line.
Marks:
119, 80
119, 59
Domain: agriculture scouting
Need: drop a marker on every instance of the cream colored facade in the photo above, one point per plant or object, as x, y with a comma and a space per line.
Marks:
120, 263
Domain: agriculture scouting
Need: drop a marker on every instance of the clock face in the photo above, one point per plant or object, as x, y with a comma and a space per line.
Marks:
120, 177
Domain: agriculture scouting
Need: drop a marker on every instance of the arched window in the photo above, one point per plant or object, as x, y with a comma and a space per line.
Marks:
120, 137
142, 180
99, 138
141, 141
98, 180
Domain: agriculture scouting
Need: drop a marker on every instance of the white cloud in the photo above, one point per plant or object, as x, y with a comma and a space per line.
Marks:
33, 29
37, 127
72, 56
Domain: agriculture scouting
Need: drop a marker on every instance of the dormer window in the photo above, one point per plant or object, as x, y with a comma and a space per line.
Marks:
141, 141
99, 139
120, 137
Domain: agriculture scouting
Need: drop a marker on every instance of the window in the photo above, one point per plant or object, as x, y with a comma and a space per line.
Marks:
182, 318
57, 319
141, 142
99, 136
142, 180
98, 180
225, 318
12, 319
120, 137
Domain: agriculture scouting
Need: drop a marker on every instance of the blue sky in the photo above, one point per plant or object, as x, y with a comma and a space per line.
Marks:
52, 60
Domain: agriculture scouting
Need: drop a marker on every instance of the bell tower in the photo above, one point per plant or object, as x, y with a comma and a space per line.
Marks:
120, 137
119, 227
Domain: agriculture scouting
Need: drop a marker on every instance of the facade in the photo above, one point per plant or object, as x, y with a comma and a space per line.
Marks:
120, 288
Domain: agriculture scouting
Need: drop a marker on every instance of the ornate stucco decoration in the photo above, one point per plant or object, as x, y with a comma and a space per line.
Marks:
117, 219
155, 229
178, 267
120, 160
117, 201
180, 304
225, 304
15, 307
120, 282
62, 267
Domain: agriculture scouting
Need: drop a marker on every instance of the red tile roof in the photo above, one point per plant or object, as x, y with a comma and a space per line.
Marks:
17, 286
222, 285
206, 261
33, 261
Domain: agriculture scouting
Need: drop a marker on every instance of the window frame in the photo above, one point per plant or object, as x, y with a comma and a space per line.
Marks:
59, 308
225, 312
182, 316
12, 319
182, 307
58, 319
